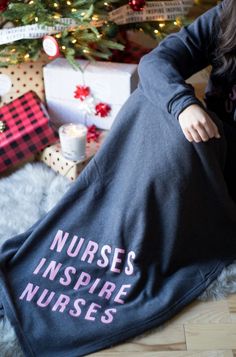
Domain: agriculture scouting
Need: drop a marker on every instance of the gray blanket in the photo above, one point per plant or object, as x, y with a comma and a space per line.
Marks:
147, 226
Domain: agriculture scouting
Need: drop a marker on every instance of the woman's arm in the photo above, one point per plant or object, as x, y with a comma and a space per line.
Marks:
163, 71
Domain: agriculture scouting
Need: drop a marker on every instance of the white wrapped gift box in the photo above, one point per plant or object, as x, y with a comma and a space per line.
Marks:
109, 82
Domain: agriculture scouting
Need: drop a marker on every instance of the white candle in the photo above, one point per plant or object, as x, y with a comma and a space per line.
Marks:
73, 141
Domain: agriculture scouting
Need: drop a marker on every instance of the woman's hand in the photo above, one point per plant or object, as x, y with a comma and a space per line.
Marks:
197, 125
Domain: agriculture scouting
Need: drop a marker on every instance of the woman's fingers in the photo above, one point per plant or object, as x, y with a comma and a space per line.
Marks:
196, 137
188, 135
212, 128
202, 132
197, 125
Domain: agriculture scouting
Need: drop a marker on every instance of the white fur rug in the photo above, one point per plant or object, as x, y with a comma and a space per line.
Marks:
32, 191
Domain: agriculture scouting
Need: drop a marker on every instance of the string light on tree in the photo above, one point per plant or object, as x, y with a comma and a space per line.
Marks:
26, 56
57, 16
91, 29
108, 6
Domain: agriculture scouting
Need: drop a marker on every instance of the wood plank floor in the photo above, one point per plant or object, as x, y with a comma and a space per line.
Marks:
201, 329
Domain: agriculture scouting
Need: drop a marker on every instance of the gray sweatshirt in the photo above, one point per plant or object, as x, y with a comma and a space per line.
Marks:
179, 56
128, 245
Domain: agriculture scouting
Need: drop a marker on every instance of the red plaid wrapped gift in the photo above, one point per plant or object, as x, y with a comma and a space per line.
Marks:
24, 129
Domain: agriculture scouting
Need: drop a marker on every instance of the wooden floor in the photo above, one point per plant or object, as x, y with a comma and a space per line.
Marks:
202, 329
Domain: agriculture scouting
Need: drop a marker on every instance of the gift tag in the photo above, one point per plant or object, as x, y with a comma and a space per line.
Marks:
5, 84
50, 46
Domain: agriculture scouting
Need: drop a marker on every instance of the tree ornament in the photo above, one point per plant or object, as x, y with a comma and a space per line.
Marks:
50, 46
2, 126
5, 84
137, 5
3, 5
102, 109
81, 92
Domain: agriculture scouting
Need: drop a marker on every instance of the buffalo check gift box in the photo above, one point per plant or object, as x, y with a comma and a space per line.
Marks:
24, 129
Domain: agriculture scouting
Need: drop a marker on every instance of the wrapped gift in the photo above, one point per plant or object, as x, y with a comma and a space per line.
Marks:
53, 157
24, 129
93, 95
24, 77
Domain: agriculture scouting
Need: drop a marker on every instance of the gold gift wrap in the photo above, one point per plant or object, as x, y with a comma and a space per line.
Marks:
52, 156
25, 77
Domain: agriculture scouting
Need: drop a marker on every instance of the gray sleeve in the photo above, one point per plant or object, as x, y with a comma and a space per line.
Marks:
163, 71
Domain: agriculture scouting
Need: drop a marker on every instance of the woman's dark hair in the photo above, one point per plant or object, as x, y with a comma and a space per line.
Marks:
226, 49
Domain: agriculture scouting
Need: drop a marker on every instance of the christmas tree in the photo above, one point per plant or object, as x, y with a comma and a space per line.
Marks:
75, 28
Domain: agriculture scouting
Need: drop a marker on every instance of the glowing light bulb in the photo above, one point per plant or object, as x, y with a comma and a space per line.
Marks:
162, 25
177, 22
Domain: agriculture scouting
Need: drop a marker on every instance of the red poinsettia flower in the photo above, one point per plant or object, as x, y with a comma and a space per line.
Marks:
102, 109
81, 92
93, 133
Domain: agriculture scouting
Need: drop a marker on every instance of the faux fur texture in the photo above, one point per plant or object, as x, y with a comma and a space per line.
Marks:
27, 195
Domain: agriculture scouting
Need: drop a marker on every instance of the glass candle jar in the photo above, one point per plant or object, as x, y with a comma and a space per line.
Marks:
73, 141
